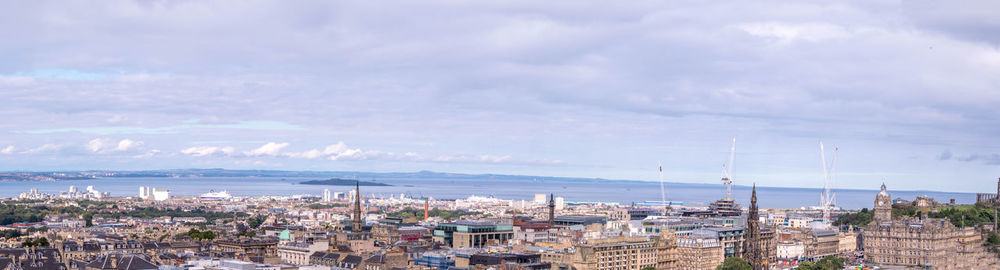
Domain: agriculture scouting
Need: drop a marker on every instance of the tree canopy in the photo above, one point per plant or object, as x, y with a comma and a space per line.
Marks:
826, 263
734, 263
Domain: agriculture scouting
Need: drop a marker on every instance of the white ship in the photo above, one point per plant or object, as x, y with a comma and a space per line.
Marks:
221, 195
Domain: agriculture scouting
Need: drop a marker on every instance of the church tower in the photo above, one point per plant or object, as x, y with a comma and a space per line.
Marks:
357, 224
883, 206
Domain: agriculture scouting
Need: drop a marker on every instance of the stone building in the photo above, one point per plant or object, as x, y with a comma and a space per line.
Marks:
252, 249
698, 251
31, 259
847, 243
791, 250
616, 253
820, 243
299, 252
667, 256
393, 259
926, 242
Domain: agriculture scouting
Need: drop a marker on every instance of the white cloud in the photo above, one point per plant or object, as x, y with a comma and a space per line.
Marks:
786, 33
269, 149
126, 145
49, 147
341, 152
103, 145
151, 153
7, 150
311, 154
200, 151
566, 80
337, 151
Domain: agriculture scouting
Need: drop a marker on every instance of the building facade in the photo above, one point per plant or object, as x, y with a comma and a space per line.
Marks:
619, 253
923, 242
475, 234
698, 251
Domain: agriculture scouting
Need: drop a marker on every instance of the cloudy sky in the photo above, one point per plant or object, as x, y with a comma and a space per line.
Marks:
909, 91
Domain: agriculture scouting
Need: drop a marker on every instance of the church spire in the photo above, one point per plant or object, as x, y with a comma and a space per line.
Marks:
356, 225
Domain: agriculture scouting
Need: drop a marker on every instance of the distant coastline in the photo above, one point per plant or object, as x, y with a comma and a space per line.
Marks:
342, 182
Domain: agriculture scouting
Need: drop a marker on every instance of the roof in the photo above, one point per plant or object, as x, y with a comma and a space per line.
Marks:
135, 262
344, 248
823, 233
376, 259
325, 255
585, 219
103, 262
352, 259
6, 263
475, 223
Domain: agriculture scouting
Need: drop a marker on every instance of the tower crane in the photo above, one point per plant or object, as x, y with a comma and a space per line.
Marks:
727, 172
827, 198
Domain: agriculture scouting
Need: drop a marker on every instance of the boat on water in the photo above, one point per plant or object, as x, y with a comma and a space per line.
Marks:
221, 195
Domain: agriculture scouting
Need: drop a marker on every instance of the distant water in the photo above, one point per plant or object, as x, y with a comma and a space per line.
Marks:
624, 192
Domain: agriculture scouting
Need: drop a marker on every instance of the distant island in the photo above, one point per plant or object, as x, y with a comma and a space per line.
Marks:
342, 182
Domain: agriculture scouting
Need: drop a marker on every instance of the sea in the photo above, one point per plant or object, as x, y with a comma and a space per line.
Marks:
573, 191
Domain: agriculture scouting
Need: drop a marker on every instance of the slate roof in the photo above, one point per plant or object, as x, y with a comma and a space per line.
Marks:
344, 248
103, 262
376, 259
6, 263
352, 259
135, 262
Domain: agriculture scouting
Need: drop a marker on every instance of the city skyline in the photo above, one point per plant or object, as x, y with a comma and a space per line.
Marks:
567, 89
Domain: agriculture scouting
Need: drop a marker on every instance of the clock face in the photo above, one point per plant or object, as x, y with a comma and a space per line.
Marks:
880, 203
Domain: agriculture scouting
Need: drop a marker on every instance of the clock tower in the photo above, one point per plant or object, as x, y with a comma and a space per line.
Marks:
883, 206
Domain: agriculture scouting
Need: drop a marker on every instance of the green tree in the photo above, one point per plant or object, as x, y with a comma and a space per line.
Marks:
40, 242
831, 263
966, 216
993, 239
734, 263
826, 263
89, 219
649, 268
859, 219
200, 235
256, 221
807, 266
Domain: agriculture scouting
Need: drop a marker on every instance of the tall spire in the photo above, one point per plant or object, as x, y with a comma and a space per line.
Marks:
356, 226
753, 252
552, 208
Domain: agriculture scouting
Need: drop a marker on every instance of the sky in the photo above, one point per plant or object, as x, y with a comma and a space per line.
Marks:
906, 91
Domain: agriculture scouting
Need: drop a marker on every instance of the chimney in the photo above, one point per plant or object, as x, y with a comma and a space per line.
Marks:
426, 209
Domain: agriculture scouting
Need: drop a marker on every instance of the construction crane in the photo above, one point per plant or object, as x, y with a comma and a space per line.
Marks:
827, 198
727, 172
663, 192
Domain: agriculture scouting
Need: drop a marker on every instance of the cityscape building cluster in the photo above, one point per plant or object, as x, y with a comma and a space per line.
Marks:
346, 230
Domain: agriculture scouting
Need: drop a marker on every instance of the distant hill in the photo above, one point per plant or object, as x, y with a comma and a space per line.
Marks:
342, 182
